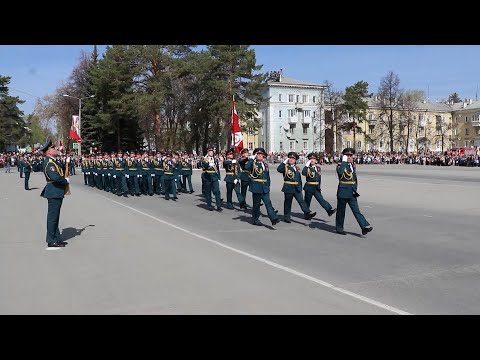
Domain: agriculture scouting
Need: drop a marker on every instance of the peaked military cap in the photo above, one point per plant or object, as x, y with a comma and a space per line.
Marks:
231, 151
47, 145
312, 156
348, 151
259, 151
293, 154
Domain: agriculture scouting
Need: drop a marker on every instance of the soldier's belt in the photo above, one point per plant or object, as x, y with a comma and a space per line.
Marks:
168, 173
158, 169
246, 171
119, 169
210, 171
347, 182
185, 168
260, 180
230, 174
132, 169
145, 168
312, 182
290, 182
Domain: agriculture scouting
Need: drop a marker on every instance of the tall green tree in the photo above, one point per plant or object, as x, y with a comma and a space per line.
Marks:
355, 106
454, 98
12, 124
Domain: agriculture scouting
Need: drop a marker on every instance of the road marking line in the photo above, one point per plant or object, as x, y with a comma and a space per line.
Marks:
430, 216
273, 264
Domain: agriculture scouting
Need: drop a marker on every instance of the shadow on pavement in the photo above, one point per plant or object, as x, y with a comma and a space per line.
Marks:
70, 232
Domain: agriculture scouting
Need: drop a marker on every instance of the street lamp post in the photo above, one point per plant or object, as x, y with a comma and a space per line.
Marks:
79, 118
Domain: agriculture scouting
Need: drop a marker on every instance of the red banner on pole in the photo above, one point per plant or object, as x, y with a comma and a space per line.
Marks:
237, 139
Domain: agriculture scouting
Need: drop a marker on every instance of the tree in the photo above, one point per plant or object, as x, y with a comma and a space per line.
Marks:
332, 99
389, 93
407, 105
355, 106
12, 125
454, 98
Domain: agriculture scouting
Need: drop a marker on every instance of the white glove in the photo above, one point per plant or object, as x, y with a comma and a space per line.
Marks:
153, 175
211, 164
108, 174
175, 180
235, 181
127, 176
103, 174
285, 161
307, 163
234, 161
68, 180
114, 176
139, 176
68, 159
344, 158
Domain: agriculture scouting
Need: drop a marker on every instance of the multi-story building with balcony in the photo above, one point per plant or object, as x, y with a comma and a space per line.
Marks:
292, 115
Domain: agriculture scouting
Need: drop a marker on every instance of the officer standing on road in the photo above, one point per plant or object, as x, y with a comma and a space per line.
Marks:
245, 174
27, 169
231, 179
313, 180
211, 180
54, 192
260, 186
347, 193
292, 187
186, 173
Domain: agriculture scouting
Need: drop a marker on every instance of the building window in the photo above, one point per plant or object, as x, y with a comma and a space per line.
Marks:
478, 131
456, 119
298, 98
439, 131
370, 117
466, 143
466, 131
279, 113
314, 114
466, 119
292, 127
280, 97
305, 145
305, 98
359, 145
349, 144
250, 146
305, 130
281, 130
370, 129
381, 144
472, 143
290, 98
314, 99
292, 112
263, 144
291, 145
281, 145
454, 131
439, 145
306, 112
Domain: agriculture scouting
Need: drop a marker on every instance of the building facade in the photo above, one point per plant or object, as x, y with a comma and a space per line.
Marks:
292, 116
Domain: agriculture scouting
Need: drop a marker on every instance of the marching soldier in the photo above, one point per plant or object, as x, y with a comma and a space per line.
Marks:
313, 180
119, 172
177, 171
231, 178
169, 177
245, 174
27, 168
54, 192
292, 187
83, 165
20, 165
132, 174
260, 186
146, 175
347, 193
211, 179
186, 173
158, 173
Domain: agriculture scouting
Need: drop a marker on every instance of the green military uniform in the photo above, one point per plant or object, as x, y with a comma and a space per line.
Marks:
244, 175
210, 181
169, 177
131, 175
20, 165
292, 188
187, 175
260, 187
83, 165
158, 172
146, 177
119, 172
54, 192
232, 182
347, 194
27, 169
313, 180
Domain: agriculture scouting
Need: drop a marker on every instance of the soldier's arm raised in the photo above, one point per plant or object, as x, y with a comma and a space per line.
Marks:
281, 168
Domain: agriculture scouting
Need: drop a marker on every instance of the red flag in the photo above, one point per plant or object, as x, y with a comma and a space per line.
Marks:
60, 145
75, 129
237, 139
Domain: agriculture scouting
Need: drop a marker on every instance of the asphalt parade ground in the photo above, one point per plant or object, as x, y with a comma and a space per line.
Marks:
146, 255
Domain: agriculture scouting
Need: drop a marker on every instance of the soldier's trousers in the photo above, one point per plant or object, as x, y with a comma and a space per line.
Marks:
133, 184
244, 188
340, 217
318, 195
147, 184
178, 182
287, 204
189, 179
106, 182
27, 177
257, 198
20, 170
230, 188
162, 182
53, 218
85, 178
169, 187
91, 178
213, 186
121, 183
157, 180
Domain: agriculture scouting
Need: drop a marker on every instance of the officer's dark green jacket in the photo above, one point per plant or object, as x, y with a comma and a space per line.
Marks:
55, 188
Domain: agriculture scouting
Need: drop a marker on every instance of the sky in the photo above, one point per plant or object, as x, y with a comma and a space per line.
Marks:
37, 70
